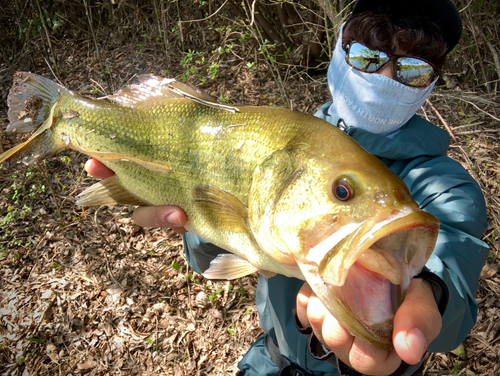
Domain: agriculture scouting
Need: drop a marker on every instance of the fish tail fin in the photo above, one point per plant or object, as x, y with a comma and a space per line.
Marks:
42, 144
31, 101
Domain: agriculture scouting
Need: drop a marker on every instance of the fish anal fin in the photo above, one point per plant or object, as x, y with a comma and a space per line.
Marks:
221, 209
229, 266
108, 192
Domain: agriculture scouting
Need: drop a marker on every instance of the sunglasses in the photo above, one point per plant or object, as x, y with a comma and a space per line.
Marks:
410, 71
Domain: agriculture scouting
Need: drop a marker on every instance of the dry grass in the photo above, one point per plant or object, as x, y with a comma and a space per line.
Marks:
87, 291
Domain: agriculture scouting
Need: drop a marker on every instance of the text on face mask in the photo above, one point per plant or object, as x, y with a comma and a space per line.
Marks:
365, 115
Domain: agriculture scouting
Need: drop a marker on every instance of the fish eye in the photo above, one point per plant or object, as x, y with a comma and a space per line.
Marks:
342, 190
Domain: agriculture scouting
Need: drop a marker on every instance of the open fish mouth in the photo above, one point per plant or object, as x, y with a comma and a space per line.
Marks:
367, 272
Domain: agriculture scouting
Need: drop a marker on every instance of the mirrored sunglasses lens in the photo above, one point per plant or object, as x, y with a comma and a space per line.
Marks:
364, 59
414, 72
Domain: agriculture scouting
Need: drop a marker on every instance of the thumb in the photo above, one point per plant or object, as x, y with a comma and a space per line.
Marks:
160, 216
417, 322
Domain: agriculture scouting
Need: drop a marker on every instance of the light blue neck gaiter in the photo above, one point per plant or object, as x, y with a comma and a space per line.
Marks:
370, 101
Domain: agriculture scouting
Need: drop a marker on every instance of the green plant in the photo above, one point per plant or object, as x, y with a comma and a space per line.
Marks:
53, 22
215, 294
151, 341
175, 265
212, 70
460, 352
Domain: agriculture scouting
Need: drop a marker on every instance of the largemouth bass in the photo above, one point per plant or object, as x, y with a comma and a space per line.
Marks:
285, 192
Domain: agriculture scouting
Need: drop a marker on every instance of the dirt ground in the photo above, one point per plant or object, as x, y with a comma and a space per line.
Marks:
86, 291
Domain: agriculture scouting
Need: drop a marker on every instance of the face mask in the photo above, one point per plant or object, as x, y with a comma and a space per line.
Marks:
371, 101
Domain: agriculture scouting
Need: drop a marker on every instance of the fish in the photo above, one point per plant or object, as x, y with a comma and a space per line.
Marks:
284, 192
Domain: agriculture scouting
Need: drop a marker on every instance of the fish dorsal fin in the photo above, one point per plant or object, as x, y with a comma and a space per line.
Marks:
108, 192
229, 266
150, 87
221, 209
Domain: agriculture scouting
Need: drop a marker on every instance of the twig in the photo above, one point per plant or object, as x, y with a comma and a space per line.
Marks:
480, 59
276, 74
48, 37
45, 175
252, 13
442, 120
40, 243
98, 52
495, 57
55, 75
111, 274
208, 17
487, 113
162, 28
180, 25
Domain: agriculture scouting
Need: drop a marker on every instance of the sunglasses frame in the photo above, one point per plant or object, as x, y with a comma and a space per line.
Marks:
393, 58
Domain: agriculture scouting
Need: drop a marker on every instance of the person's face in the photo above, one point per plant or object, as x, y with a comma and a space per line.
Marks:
387, 70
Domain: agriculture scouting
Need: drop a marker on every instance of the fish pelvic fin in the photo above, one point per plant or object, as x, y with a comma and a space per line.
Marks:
221, 209
228, 266
30, 101
109, 192
150, 88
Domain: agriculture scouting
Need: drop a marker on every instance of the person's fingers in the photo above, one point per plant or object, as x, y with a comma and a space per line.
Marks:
97, 169
417, 322
370, 360
302, 301
316, 312
161, 216
354, 352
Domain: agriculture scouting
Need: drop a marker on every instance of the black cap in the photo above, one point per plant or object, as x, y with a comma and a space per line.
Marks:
443, 12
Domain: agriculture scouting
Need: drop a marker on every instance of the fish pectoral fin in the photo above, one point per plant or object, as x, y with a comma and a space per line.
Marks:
221, 209
267, 273
229, 266
108, 192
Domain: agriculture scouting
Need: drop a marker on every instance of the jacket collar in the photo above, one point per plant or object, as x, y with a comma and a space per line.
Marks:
417, 137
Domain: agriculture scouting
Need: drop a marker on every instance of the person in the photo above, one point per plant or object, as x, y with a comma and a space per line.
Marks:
385, 64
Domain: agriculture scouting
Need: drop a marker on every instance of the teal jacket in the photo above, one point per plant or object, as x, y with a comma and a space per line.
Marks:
440, 186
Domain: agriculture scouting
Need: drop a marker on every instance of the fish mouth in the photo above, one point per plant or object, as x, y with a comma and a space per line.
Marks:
367, 272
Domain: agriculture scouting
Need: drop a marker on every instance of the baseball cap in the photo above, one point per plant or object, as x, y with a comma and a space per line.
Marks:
443, 12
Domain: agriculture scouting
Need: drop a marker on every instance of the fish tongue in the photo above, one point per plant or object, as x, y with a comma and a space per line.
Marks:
369, 295
379, 261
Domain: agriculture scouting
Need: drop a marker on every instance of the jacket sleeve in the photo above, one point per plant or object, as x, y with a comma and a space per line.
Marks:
443, 188
199, 252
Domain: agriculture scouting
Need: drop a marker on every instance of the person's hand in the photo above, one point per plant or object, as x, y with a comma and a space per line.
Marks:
145, 216
416, 323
